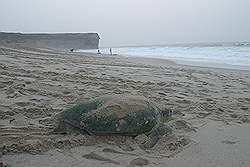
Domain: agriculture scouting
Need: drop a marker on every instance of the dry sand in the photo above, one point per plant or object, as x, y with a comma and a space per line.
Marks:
211, 110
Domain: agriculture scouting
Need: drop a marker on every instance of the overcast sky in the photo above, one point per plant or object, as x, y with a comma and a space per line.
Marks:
132, 22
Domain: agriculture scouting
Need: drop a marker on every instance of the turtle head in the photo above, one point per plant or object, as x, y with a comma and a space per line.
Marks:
60, 125
66, 128
65, 121
68, 122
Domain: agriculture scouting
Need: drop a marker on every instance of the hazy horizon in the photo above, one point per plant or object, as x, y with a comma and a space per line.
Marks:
132, 23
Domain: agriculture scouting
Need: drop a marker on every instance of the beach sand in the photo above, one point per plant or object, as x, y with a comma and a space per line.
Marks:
210, 110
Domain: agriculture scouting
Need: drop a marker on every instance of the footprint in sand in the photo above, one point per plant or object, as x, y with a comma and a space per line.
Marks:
138, 162
182, 125
126, 147
97, 157
229, 142
110, 150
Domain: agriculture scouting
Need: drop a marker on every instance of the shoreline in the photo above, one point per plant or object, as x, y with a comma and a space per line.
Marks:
183, 62
198, 64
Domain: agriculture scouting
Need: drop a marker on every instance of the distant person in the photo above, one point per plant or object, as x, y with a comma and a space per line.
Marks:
110, 51
98, 51
71, 50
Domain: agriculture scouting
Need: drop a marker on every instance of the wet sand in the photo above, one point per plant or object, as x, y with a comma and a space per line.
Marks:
211, 110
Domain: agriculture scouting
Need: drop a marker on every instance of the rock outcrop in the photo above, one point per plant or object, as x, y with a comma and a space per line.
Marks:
58, 40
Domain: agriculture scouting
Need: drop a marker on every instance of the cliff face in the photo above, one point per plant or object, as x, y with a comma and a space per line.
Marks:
59, 40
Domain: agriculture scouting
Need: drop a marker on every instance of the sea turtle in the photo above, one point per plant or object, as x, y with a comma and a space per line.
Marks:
114, 115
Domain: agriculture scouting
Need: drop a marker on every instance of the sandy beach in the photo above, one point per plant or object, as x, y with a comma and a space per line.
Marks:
210, 110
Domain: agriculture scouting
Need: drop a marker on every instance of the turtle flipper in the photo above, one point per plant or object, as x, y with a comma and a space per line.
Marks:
155, 135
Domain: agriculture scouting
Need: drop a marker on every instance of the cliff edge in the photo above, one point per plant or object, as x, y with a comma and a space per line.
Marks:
63, 41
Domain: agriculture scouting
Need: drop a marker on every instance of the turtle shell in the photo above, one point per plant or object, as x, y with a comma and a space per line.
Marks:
117, 114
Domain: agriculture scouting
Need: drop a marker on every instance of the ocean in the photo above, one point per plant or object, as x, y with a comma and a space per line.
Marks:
218, 56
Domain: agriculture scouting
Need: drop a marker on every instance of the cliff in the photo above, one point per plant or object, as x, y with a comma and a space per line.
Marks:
58, 40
